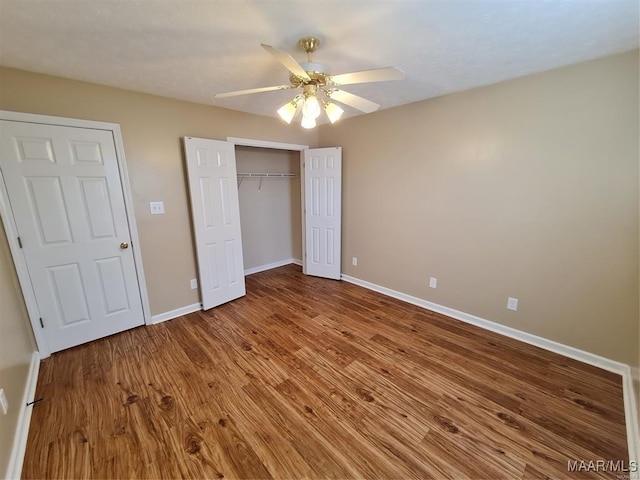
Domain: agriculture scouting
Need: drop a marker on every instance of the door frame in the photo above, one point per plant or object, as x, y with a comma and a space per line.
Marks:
250, 142
6, 215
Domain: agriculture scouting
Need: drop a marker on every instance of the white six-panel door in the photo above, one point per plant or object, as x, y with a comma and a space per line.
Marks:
323, 207
64, 188
213, 189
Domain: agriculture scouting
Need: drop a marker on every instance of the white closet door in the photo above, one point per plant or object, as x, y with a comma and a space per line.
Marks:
213, 188
64, 187
323, 211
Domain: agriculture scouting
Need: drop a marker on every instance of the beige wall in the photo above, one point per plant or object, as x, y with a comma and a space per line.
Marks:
527, 188
16, 348
152, 128
270, 213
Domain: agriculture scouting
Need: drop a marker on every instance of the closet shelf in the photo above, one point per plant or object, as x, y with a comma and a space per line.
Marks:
262, 176
267, 175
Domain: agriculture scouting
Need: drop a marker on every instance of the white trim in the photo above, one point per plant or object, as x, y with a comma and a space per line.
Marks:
133, 226
303, 214
631, 413
178, 312
20, 263
567, 351
631, 419
59, 121
635, 374
249, 142
11, 228
269, 266
14, 469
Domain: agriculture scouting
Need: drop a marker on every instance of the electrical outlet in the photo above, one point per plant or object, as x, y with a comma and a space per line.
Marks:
512, 303
157, 208
3, 402
354, 261
194, 284
433, 282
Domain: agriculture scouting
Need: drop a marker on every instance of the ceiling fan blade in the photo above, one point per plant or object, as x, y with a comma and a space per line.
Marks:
365, 76
362, 104
251, 90
288, 61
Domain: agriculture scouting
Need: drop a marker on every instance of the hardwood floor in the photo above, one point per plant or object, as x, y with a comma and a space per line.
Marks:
313, 378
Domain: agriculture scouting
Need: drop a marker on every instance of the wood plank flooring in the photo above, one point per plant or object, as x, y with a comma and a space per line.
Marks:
313, 378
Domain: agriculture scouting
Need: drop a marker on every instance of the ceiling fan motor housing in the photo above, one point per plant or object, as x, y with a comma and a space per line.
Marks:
318, 72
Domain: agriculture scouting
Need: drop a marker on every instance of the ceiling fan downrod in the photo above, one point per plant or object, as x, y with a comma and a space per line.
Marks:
317, 72
310, 44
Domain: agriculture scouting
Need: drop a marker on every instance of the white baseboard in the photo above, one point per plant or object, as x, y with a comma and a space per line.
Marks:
630, 406
631, 419
14, 469
567, 351
178, 312
269, 266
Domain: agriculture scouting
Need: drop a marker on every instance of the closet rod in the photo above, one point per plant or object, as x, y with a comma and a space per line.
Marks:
262, 176
267, 175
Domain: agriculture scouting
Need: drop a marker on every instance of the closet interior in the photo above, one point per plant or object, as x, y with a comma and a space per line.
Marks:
270, 207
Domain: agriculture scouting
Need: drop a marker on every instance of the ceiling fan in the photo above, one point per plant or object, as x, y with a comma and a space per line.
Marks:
319, 88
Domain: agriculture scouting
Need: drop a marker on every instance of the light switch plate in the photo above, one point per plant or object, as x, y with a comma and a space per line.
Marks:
157, 208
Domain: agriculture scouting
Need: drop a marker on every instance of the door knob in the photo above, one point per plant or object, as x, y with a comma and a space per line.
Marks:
124, 245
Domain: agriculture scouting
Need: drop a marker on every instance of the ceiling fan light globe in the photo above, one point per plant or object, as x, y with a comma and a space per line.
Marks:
333, 111
308, 122
311, 107
288, 111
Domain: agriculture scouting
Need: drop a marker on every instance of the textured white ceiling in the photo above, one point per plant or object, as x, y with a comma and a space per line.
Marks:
190, 49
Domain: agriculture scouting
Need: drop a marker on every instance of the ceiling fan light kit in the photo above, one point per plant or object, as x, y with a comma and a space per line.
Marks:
308, 122
316, 82
311, 107
289, 110
333, 111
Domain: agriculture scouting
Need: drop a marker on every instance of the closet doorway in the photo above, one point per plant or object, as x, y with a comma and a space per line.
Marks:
320, 210
270, 207
278, 190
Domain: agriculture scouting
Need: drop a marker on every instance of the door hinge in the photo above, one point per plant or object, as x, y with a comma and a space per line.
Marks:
20, 242
41, 323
